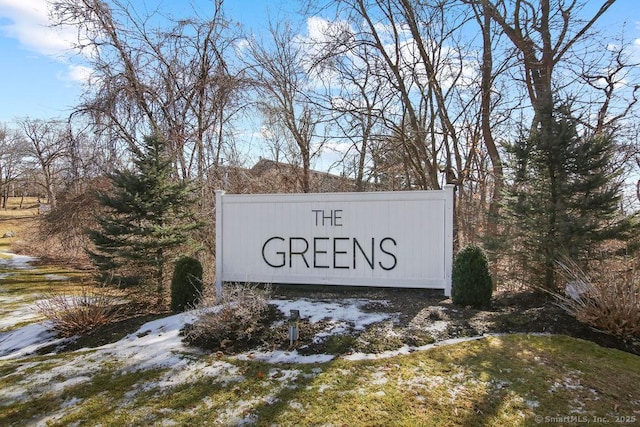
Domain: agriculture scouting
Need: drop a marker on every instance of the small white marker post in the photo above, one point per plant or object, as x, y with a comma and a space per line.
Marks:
294, 317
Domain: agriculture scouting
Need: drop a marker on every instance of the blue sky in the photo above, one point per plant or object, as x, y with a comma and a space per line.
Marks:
38, 76
39, 79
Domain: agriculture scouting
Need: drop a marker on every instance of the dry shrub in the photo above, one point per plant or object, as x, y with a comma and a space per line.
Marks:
236, 321
60, 234
81, 313
609, 303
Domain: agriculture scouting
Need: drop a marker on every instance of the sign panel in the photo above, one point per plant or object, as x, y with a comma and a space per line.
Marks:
392, 239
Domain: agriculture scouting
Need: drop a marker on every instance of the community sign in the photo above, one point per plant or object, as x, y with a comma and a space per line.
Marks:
390, 239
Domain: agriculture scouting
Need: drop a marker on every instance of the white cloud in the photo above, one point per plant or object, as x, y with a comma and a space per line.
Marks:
242, 46
80, 73
321, 30
322, 36
28, 22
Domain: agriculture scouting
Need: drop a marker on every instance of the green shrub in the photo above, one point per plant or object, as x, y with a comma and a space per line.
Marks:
471, 281
186, 284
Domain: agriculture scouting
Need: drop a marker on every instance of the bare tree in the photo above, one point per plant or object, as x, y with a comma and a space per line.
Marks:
543, 34
277, 67
610, 89
47, 146
353, 97
172, 78
423, 111
416, 53
12, 152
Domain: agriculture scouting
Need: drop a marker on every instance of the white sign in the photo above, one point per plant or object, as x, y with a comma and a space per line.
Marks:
391, 239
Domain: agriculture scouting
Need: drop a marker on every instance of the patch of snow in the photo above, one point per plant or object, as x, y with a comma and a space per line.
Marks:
14, 261
280, 356
15, 317
284, 375
323, 387
568, 383
296, 405
406, 349
347, 310
438, 326
55, 277
533, 404
26, 340
379, 378
71, 402
71, 382
223, 372
157, 344
239, 414
424, 381
334, 328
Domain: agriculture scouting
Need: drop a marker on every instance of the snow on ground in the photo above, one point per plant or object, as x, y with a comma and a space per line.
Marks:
20, 315
347, 310
14, 261
26, 340
406, 349
25, 312
159, 344
55, 277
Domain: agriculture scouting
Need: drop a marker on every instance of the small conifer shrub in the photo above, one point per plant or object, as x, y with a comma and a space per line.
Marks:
471, 281
186, 284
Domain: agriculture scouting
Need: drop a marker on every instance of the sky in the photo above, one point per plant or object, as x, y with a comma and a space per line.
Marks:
39, 78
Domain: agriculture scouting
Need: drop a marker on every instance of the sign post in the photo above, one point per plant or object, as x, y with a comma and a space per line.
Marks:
219, 238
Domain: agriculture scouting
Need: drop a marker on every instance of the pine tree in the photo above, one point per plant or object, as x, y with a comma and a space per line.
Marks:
564, 198
147, 217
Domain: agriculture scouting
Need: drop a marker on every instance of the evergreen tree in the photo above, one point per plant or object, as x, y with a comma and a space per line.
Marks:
147, 217
564, 197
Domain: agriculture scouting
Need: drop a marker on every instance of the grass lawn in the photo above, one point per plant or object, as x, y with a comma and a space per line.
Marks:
18, 292
16, 219
497, 381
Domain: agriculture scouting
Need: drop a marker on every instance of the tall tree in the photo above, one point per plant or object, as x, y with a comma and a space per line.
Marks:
277, 67
48, 147
156, 73
12, 152
565, 196
424, 70
354, 102
414, 48
543, 33
147, 217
